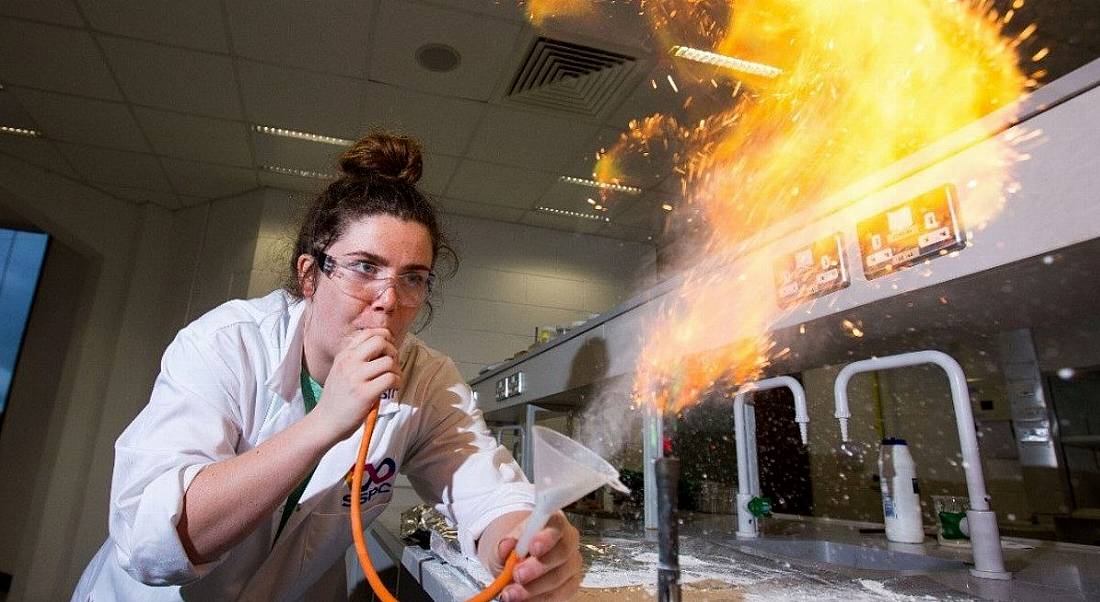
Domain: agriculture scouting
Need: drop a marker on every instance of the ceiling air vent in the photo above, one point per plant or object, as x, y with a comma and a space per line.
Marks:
570, 77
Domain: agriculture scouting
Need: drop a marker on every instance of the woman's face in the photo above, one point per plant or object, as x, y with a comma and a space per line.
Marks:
392, 246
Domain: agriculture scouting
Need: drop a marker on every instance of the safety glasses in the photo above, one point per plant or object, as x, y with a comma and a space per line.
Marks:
366, 281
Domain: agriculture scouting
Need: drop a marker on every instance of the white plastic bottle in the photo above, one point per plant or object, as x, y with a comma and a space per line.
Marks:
900, 493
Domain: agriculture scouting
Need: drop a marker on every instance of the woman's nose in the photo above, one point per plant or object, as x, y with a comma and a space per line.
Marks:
386, 299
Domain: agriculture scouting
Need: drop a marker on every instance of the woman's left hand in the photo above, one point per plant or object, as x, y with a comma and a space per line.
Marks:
553, 568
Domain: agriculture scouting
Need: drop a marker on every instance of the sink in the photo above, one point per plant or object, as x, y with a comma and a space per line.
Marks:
847, 555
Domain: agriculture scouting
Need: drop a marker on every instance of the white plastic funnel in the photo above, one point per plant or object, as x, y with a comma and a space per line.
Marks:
565, 471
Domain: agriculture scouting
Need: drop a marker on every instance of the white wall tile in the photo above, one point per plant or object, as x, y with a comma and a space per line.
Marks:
476, 282
239, 284
273, 253
555, 292
473, 347
468, 370
602, 297
262, 282
231, 232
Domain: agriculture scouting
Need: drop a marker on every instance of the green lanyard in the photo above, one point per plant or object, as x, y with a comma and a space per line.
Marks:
311, 392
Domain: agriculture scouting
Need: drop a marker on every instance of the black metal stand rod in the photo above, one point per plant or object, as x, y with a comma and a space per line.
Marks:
667, 471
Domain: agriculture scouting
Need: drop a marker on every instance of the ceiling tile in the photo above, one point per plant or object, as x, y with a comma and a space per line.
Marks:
438, 170
532, 140
296, 154
328, 36
208, 180
84, 120
110, 166
195, 24
312, 186
198, 138
615, 26
298, 100
494, 212
562, 222
510, 11
614, 230
12, 113
490, 184
324, 158
172, 78
484, 45
191, 201
672, 184
36, 151
642, 214
54, 58
167, 200
654, 94
443, 124
62, 12
634, 168
573, 197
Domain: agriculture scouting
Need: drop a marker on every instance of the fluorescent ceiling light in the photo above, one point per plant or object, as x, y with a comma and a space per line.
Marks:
569, 213
301, 173
273, 131
5, 129
726, 62
601, 185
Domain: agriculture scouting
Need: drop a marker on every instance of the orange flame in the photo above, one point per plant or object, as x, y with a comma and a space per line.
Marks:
862, 85
538, 11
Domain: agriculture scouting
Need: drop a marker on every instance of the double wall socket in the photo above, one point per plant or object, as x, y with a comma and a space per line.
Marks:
509, 386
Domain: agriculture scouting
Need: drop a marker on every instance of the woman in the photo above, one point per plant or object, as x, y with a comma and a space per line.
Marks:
233, 483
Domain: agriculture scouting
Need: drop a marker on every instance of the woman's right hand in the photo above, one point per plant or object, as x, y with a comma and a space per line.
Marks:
361, 372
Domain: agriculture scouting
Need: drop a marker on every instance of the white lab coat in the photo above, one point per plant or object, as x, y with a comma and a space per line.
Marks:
230, 381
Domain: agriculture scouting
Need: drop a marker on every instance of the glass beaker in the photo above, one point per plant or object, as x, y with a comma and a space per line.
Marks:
951, 525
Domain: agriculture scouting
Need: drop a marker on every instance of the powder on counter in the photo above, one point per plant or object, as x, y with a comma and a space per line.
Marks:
652, 558
710, 590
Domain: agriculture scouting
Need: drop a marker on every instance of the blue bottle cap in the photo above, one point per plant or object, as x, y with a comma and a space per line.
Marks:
893, 441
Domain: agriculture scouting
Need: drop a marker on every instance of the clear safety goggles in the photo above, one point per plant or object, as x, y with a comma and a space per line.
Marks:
366, 281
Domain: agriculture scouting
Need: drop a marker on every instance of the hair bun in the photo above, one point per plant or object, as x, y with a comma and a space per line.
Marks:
383, 155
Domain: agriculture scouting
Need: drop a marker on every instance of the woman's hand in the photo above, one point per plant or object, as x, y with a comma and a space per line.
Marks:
552, 571
361, 372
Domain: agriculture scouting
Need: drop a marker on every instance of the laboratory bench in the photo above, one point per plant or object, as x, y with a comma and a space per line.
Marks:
796, 558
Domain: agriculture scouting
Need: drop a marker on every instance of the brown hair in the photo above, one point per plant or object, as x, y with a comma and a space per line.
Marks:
380, 172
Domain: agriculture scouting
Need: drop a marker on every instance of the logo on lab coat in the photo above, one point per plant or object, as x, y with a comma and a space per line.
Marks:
377, 480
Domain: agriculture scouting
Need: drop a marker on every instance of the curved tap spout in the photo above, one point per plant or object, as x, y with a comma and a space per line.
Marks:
748, 479
988, 560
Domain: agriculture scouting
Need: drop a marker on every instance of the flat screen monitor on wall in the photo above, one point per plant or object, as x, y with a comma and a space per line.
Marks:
21, 257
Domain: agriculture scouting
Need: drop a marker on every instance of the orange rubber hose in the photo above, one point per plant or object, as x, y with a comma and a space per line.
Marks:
376, 584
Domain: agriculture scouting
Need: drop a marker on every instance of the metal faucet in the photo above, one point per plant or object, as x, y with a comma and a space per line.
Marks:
984, 535
744, 424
